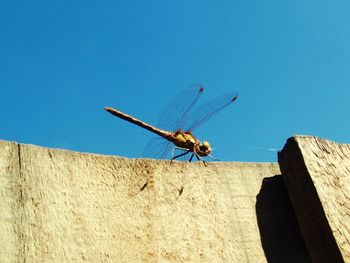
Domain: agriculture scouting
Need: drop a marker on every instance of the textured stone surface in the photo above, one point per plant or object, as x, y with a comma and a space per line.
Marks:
10, 205
317, 176
64, 206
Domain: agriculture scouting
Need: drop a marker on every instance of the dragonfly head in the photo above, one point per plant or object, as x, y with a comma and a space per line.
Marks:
205, 148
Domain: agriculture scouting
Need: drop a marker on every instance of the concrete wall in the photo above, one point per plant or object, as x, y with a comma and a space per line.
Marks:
64, 206
317, 175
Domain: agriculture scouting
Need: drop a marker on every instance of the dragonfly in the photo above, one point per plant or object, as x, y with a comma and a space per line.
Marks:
182, 121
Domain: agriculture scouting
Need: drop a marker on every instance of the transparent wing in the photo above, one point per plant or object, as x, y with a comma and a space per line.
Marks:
176, 113
157, 148
208, 110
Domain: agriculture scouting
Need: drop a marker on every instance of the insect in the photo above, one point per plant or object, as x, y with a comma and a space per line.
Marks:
182, 121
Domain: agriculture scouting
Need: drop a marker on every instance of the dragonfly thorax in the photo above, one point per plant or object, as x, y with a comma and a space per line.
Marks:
187, 141
184, 139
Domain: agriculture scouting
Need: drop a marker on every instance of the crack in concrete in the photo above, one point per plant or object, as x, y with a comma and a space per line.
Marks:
22, 203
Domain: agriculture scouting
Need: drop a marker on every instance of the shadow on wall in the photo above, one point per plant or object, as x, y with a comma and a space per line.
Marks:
281, 237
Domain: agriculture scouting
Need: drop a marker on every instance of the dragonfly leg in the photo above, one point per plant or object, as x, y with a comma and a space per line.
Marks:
205, 162
199, 158
191, 157
179, 155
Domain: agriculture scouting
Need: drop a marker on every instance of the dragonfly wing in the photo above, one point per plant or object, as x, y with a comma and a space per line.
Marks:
176, 113
157, 148
208, 110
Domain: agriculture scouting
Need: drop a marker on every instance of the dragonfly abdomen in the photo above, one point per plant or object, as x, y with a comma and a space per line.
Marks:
165, 134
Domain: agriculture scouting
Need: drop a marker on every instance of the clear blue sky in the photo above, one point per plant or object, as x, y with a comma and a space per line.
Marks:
61, 62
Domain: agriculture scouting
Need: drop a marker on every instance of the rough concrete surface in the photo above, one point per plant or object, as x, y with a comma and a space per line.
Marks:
10, 204
64, 206
317, 176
